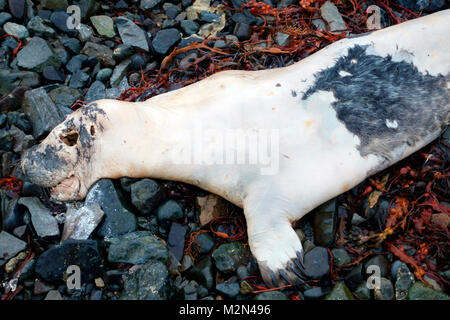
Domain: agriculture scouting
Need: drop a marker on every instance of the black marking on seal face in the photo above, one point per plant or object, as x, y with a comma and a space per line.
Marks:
385, 103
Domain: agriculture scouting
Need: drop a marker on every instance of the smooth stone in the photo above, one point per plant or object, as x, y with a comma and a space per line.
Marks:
165, 40
104, 74
189, 27
168, 211
43, 221
149, 282
17, 8
324, 223
76, 63
119, 72
118, 220
52, 265
4, 17
10, 246
137, 63
176, 238
16, 30
96, 91
340, 292
171, 10
149, 4
79, 79
59, 20
203, 243
316, 263
137, 248
36, 55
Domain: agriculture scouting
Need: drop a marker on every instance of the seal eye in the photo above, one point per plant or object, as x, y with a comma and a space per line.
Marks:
92, 131
69, 138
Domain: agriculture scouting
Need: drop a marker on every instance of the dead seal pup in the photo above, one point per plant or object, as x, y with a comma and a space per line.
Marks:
340, 115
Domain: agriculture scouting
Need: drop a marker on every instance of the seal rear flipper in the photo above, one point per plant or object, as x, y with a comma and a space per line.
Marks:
275, 245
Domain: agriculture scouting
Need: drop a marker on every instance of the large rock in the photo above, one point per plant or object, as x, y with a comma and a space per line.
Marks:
118, 219
16, 30
137, 248
52, 264
149, 282
41, 110
36, 55
38, 26
17, 8
64, 96
131, 34
9, 247
43, 221
10, 79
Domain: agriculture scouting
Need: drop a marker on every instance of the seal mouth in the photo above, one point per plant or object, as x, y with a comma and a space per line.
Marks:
67, 189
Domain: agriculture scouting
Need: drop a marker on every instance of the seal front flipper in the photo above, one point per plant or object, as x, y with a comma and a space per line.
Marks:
274, 243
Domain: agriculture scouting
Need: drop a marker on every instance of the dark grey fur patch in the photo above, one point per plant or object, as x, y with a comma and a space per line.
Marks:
379, 89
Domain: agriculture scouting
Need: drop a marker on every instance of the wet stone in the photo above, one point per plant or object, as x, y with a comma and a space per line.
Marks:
176, 239
331, 15
54, 4
202, 272
118, 220
324, 223
229, 256
43, 221
314, 293
79, 79
81, 222
17, 8
149, 282
385, 291
242, 31
420, 291
104, 74
96, 91
149, 4
404, 280
271, 295
363, 292
165, 40
122, 52
52, 264
379, 262
119, 72
76, 63
146, 195
171, 10
131, 34
137, 248
59, 20
64, 96
340, 257
316, 263
168, 211
4, 17
339, 292
9, 246
38, 27
16, 30
189, 27
10, 79
354, 277
36, 55
204, 243
104, 25
230, 290
51, 74
102, 52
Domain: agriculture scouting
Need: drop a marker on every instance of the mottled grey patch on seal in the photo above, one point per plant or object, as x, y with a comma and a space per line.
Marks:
385, 103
